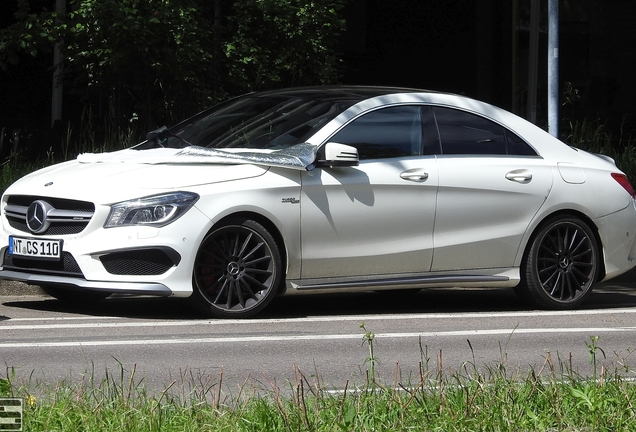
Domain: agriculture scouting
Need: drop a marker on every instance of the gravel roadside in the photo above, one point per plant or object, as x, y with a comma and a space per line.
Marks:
13, 288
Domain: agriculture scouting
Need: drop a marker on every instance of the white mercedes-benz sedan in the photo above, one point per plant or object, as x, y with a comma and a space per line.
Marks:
325, 189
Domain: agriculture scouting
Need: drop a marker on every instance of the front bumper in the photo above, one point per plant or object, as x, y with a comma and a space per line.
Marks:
133, 259
155, 289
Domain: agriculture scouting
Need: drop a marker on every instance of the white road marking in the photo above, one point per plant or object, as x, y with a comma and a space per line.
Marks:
358, 336
7, 324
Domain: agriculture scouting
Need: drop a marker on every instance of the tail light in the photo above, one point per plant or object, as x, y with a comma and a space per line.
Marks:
624, 181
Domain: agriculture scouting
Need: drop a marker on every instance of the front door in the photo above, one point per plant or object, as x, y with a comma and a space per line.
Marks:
376, 218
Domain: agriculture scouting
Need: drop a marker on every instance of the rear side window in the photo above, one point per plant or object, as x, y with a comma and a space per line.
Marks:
385, 133
465, 133
517, 146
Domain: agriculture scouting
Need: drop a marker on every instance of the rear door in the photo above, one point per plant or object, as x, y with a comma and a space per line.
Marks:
491, 184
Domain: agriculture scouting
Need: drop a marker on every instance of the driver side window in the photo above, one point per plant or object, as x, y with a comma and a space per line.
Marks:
384, 133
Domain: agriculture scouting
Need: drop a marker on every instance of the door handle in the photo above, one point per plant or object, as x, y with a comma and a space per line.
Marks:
519, 176
415, 174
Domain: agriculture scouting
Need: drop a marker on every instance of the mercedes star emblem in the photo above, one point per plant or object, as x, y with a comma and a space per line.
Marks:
36, 216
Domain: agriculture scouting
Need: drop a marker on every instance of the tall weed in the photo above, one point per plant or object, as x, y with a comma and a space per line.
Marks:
596, 136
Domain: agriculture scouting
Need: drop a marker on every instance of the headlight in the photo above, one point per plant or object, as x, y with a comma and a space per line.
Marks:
156, 210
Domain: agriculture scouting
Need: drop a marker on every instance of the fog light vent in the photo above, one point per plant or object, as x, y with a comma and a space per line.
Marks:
139, 262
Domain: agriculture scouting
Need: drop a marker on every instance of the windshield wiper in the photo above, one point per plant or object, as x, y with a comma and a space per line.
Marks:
159, 137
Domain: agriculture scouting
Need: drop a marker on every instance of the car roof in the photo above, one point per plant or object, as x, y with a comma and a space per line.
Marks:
369, 97
337, 91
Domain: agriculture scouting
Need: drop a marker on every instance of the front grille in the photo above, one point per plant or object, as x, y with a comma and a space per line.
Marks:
67, 266
139, 262
66, 217
56, 229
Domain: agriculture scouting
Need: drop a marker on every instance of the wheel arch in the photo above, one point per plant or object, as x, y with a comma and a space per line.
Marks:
562, 214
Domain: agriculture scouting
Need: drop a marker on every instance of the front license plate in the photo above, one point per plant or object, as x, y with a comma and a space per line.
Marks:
35, 248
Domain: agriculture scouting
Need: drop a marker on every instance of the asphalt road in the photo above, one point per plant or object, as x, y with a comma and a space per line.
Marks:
165, 344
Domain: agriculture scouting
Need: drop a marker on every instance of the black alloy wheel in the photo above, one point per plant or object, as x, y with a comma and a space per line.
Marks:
562, 264
237, 270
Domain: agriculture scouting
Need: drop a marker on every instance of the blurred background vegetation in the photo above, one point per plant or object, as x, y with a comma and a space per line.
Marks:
133, 65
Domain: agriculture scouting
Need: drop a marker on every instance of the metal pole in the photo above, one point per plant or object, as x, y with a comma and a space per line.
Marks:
553, 67
56, 99
533, 60
513, 94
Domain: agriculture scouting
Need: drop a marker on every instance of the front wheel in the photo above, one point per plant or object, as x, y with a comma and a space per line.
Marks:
237, 270
561, 265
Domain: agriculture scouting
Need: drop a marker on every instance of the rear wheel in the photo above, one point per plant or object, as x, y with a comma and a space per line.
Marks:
74, 296
562, 264
237, 270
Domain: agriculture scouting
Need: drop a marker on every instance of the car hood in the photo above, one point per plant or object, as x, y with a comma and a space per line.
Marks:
128, 173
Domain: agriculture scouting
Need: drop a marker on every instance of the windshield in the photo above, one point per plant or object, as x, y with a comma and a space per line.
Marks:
259, 122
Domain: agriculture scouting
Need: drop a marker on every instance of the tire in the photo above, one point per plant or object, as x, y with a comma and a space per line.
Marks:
74, 296
561, 266
237, 270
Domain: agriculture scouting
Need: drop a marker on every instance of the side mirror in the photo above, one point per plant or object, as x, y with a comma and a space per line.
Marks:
336, 154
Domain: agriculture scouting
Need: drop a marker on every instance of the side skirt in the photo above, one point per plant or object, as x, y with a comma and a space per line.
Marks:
477, 279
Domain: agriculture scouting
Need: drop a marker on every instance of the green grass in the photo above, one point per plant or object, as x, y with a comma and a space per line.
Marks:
460, 402
13, 169
493, 398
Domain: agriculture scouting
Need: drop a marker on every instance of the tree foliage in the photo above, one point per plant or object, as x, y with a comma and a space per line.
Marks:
160, 60
287, 42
